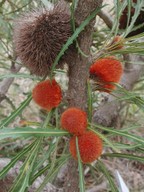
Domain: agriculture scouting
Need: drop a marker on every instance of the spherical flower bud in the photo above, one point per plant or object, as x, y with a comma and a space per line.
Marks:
90, 147
107, 70
47, 94
40, 35
74, 120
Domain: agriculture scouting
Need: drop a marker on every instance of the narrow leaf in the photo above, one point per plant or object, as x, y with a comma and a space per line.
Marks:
30, 132
14, 160
126, 156
106, 140
17, 112
22, 180
124, 134
90, 101
51, 175
19, 75
80, 168
45, 156
74, 36
108, 176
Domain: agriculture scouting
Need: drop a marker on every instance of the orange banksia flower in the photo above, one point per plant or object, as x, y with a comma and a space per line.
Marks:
107, 70
90, 147
39, 36
74, 120
47, 94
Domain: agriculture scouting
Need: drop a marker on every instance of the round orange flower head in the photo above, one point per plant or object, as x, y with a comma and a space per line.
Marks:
106, 71
116, 44
74, 120
90, 147
47, 94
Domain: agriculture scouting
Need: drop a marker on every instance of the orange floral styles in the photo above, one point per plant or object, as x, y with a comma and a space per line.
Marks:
74, 120
47, 94
116, 44
90, 147
107, 70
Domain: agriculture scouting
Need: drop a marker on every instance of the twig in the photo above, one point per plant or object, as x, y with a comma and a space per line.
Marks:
128, 64
106, 18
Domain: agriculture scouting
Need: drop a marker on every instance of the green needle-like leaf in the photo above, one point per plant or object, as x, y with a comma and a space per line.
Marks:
22, 181
52, 174
14, 160
90, 101
126, 156
30, 132
17, 112
106, 173
118, 132
80, 167
74, 36
103, 137
20, 75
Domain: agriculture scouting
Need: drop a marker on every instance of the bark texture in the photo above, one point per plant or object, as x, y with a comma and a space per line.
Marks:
78, 75
78, 71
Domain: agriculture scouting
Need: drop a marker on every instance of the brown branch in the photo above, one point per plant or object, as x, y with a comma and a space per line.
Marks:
106, 18
127, 59
108, 111
78, 74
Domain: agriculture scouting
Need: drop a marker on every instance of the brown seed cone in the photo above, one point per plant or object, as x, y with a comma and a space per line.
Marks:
39, 37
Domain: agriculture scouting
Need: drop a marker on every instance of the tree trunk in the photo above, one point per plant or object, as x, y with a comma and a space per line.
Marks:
78, 75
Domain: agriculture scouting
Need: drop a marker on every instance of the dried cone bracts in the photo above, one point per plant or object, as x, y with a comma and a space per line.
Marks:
74, 120
106, 71
90, 147
40, 35
47, 94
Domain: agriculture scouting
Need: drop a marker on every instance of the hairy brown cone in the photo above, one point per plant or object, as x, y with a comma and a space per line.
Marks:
39, 37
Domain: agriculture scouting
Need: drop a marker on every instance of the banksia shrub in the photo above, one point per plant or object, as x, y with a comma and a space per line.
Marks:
47, 94
39, 36
74, 120
107, 70
90, 147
